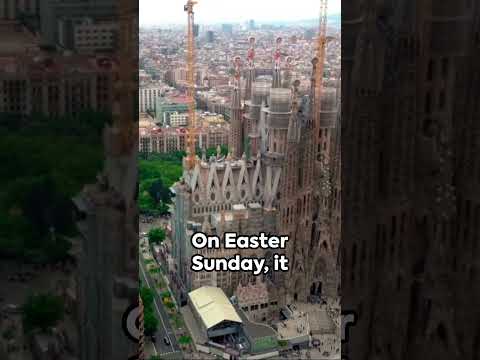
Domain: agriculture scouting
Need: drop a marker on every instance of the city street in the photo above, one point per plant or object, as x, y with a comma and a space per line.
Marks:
164, 328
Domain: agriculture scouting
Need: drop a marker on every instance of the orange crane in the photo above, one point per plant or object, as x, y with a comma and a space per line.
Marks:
191, 130
320, 55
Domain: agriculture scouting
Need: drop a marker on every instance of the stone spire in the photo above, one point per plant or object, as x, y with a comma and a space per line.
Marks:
288, 74
251, 69
277, 72
236, 137
293, 134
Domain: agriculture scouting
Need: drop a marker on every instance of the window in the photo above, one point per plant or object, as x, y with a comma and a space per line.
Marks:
444, 67
441, 100
428, 102
430, 70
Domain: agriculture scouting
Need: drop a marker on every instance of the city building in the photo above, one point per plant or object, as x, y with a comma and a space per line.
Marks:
14, 9
227, 29
56, 85
160, 139
148, 97
177, 119
210, 36
214, 312
58, 18
17, 41
254, 301
220, 328
167, 106
93, 37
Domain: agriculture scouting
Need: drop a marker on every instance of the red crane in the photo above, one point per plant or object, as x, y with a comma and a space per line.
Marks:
191, 132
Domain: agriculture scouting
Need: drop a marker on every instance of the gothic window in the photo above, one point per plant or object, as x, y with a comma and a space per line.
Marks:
354, 256
428, 127
444, 67
402, 223
428, 102
364, 252
442, 334
441, 100
393, 228
430, 70
325, 246
476, 228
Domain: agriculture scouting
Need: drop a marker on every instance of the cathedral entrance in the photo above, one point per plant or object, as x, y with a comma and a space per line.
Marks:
316, 291
299, 290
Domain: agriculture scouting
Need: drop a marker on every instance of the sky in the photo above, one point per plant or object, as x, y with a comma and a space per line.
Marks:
158, 12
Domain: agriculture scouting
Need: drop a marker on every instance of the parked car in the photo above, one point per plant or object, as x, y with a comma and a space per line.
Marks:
166, 340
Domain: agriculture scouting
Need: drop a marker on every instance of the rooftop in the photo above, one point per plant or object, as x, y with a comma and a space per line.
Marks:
213, 306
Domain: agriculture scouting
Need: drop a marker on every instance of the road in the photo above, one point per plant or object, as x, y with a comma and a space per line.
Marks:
164, 328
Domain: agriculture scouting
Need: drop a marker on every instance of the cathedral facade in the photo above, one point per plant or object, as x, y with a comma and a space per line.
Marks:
410, 159
267, 183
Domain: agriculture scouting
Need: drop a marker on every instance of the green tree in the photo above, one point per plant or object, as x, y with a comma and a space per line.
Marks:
147, 296
185, 340
156, 236
150, 322
165, 295
45, 162
170, 305
159, 192
42, 312
57, 249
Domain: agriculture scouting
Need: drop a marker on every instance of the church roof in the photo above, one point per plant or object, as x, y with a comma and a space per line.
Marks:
213, 306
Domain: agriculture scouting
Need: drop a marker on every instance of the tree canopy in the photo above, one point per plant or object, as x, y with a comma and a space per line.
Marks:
45, 161
150, 323
42, 312
147, 296
156, 236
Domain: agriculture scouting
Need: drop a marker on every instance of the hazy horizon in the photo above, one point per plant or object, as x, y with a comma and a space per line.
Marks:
155, 12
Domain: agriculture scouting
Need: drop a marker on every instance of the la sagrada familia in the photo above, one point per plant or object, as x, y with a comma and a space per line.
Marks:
277, 179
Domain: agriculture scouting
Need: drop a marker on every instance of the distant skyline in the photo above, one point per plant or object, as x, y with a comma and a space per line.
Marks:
161, 12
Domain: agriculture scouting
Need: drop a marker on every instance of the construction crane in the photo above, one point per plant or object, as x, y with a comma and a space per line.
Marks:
320, 63
320, 56
191, 129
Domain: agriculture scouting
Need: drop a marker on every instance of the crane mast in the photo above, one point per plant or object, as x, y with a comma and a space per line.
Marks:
320, 55
191, 129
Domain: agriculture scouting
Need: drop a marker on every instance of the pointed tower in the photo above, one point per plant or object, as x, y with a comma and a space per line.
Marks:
293, 133
277, 72
236, 137
288, 74
251, 70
